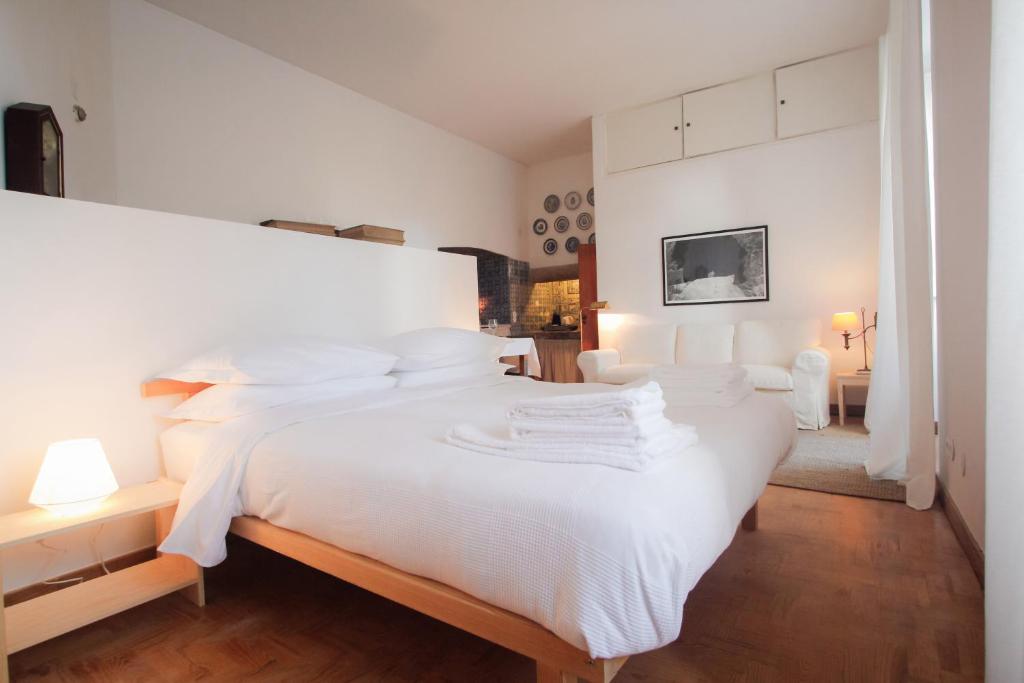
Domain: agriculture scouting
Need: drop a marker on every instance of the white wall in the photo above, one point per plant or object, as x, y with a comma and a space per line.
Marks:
207, 126
818, 194
104, 298
960, 69
57, 52
1004, 540
559, 176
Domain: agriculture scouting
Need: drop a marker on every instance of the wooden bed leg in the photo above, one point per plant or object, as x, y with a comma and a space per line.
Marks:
749, 522
196, 593
605, 671
549, 674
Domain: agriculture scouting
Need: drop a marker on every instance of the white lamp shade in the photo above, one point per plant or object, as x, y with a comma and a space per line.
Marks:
844, 322
74, 478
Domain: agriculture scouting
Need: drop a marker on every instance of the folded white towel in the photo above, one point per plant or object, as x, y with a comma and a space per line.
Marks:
724, 398
600, 414
714, 370
631, 403
633, 458
542, 428
704, 377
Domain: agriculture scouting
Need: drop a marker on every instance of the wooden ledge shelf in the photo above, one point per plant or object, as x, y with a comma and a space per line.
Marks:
37, 524
53, 614
50, 615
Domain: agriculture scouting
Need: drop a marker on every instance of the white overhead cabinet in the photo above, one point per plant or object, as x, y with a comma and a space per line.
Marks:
830, 92
728, 116
642, 136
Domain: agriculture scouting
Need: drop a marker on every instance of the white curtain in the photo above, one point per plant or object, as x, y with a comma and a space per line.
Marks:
899, 410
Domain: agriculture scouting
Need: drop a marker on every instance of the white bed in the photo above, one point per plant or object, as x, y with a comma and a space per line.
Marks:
604, 558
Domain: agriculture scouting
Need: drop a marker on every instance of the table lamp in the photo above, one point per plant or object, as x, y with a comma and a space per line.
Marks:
75, 477
844, 322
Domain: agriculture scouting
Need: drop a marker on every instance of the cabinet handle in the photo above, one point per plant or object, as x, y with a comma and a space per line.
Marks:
676, 128
782, 101
687, 124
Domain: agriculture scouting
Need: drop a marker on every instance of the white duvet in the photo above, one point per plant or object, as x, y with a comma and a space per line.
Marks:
602, 557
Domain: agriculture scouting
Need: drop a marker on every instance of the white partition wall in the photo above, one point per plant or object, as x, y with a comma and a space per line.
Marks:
97, 298
1004, 539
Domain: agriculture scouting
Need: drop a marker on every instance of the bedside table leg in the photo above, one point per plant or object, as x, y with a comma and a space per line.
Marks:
841, 391
196, 593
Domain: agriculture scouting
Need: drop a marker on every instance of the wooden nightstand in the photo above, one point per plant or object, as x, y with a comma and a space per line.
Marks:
848, 379
50, 615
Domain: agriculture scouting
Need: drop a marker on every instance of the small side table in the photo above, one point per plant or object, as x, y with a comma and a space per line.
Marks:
50, 615
848, 379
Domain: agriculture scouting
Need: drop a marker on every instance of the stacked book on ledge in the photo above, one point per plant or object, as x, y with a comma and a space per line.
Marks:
626, 428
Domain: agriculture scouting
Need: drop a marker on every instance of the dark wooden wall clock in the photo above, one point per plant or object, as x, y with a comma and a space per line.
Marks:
34, 150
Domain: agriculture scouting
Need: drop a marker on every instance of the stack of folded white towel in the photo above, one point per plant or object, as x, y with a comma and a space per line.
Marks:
703, 385
625, 429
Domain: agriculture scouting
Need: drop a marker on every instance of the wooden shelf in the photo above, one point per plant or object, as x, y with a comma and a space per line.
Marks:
50, 615
36, 524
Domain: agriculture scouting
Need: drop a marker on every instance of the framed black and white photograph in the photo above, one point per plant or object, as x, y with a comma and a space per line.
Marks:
718, 267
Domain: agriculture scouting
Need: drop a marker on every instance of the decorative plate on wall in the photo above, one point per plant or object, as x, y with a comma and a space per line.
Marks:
540, 226
592, 239
584, 221
590, 196
561, 224
571, 245
573, 201
550, 246
551, 203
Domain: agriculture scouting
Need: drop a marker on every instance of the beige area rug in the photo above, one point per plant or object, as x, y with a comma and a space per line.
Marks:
832, 460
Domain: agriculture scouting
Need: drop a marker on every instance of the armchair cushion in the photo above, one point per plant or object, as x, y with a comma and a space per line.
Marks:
654, 344
774, 342
704, 344
769, 377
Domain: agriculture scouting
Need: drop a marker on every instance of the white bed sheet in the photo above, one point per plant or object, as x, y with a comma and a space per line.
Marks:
602, 557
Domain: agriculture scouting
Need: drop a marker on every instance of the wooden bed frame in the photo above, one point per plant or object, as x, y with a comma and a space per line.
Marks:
557, 661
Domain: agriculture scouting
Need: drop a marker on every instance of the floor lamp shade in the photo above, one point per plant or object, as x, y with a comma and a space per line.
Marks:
75, 477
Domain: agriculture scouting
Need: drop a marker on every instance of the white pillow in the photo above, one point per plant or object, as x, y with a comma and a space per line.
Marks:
225, 401
295, 360
442, 347
419, 378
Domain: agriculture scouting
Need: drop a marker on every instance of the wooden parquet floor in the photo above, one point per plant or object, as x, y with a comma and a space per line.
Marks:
830, 588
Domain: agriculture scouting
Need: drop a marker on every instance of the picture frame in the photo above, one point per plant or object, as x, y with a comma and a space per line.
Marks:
716, 267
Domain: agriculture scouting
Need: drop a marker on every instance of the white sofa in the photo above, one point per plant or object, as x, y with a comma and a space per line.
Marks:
781, 356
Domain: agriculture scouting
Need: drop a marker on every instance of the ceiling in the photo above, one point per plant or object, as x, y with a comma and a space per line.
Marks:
523, 77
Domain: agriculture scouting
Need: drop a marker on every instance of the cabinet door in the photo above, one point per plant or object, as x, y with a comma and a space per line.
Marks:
839, 90
644, 135
727, 116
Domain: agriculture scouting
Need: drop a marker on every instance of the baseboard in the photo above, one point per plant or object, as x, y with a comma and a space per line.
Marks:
851, 410
93, 571
975, 555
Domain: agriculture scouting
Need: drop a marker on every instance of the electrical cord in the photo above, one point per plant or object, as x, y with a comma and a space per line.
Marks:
96, 553
60, 552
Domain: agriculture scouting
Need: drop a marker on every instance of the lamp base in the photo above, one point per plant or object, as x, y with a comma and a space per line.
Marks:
864, 372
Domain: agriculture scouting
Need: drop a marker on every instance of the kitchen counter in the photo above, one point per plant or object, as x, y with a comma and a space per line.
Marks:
558, 352
541, 334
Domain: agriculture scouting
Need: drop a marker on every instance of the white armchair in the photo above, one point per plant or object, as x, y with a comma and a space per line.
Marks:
782, 357
595, 364
810, 371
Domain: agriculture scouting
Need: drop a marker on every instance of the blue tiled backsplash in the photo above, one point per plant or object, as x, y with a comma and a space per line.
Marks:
503, 284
